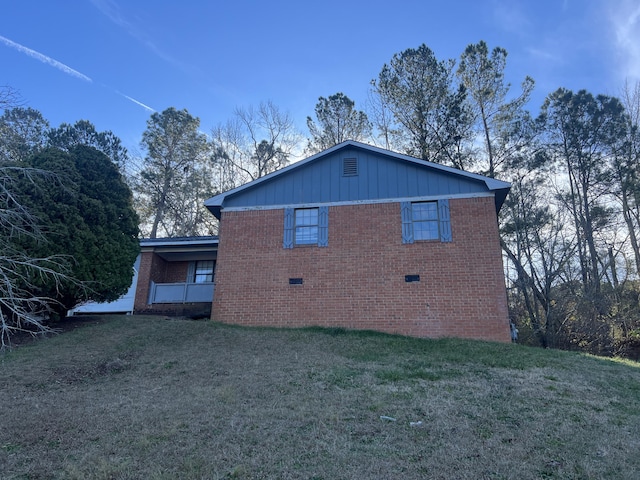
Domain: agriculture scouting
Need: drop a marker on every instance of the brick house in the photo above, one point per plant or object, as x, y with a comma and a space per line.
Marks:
363, 238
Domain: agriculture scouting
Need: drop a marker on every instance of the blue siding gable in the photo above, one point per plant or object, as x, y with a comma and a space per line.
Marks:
381, 175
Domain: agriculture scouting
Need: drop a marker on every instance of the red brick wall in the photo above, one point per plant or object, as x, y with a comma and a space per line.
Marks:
154, 268
151, 266
358, 281
175, 272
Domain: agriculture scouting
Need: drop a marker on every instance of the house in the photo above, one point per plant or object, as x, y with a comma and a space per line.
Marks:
363, 238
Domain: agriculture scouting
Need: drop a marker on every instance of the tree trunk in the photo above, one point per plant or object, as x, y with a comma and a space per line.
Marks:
487, 139
633, 238
527, 281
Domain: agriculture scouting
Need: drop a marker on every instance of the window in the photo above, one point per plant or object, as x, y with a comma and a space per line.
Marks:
306, 224
426, 221
424, 216
203, 271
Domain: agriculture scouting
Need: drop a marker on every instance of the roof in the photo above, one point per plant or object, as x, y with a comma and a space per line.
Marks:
392, 176
179, 241
178, 249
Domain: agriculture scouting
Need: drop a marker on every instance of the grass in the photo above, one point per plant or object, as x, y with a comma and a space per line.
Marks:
154, 398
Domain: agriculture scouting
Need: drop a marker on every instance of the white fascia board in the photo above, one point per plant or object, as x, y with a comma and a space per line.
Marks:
183, 243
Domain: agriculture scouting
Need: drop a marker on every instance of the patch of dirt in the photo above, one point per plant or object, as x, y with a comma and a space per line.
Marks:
80, 373
19, 339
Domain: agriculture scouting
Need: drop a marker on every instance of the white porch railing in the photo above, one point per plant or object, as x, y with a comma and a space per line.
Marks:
180, 292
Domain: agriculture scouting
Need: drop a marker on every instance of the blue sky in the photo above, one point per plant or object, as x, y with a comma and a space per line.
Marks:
114, 62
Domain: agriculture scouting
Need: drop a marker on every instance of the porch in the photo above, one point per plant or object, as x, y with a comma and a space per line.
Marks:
176, 275
180, 292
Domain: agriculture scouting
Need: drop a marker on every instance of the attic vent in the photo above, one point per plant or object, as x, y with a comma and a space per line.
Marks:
349, 167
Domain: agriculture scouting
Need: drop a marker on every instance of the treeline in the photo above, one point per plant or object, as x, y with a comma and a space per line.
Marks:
569, 228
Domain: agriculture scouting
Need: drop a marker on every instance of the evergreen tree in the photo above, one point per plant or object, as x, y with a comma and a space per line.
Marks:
337, 121
432, 120
173, 174
497, 120
23, 132
83, 207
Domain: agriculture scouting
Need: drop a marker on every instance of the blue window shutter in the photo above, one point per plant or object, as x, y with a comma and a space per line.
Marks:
288, 228
445, 220
407, 222
323, 226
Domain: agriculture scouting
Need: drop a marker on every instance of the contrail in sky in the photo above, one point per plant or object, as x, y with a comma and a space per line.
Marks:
44, 59
146, 107
112, 11
65, 68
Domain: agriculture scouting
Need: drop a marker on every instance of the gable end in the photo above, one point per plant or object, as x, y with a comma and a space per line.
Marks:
355, 172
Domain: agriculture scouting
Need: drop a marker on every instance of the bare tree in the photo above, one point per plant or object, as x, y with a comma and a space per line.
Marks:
9, 97
20, 308
539, 248
626, 170
382, 117
254, 143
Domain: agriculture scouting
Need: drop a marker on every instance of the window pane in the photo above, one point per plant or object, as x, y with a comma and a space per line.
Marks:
306, 216
306, 235
204, 271
425, 230
424, 211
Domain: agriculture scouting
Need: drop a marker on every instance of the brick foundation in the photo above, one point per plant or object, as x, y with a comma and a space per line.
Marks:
191, 310
358, 281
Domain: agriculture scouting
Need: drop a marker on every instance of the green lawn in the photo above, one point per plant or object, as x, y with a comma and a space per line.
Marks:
154, 398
